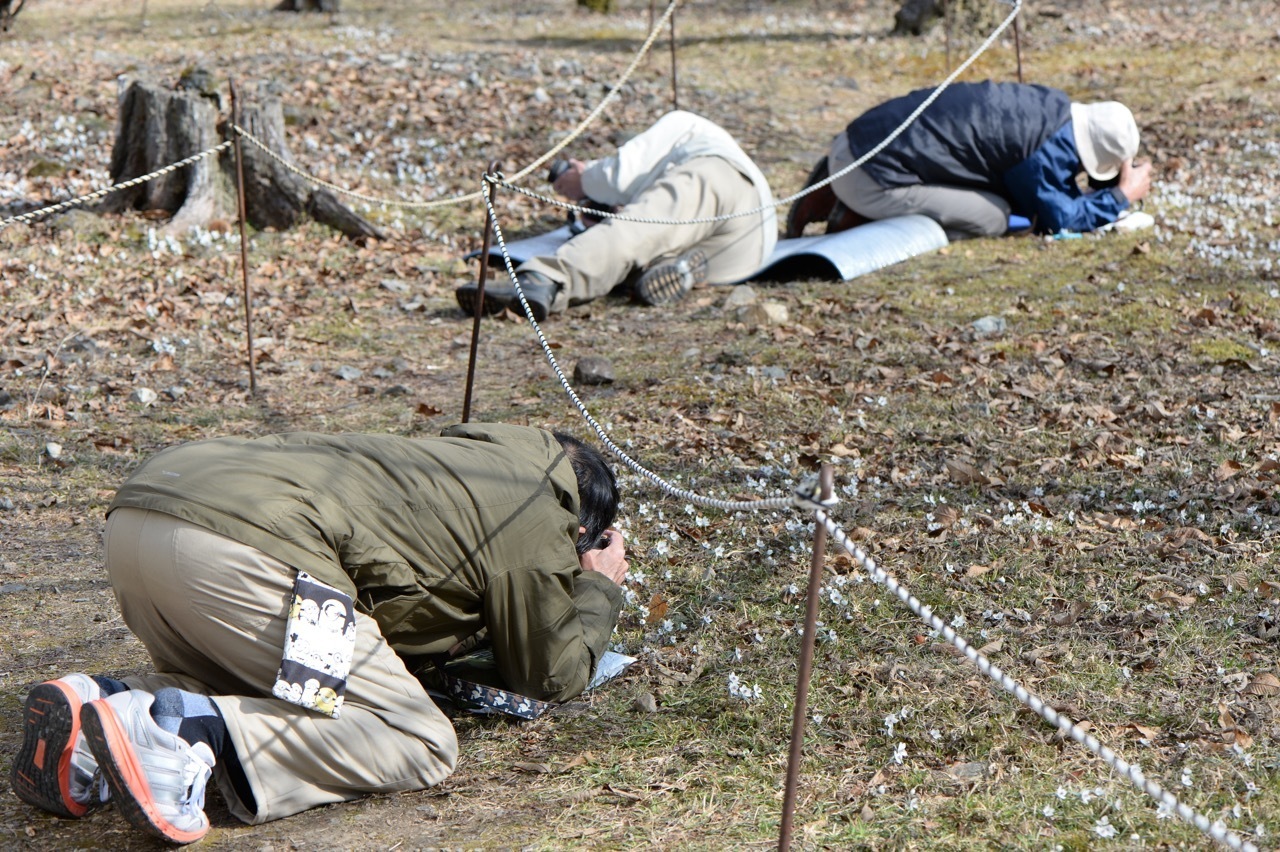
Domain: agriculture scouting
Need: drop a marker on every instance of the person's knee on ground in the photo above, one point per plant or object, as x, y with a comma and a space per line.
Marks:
821, 205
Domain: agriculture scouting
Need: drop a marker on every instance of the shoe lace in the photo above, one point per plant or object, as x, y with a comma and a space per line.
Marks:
195, 777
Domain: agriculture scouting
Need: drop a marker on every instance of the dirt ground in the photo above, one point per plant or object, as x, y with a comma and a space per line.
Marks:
1091, 495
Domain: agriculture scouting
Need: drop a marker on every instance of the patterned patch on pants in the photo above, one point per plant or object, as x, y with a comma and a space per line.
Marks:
319, 643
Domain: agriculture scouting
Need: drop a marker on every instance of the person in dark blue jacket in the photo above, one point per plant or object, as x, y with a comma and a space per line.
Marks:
976, 155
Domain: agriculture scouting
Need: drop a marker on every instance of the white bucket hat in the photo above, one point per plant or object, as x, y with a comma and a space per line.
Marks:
1106, 136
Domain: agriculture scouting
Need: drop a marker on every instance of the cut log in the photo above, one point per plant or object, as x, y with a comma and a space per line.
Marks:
160, 126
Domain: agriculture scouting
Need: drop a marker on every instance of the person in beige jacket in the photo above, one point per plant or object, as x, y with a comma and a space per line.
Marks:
684, 168
404, 548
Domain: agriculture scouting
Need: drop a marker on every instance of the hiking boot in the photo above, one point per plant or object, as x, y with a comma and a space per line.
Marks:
54, 769
669, 282
539, 292
157, 779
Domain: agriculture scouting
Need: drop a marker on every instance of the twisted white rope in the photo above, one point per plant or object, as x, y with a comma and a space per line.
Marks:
898, 131
473, 196
803, 496
55, 208
1215, 830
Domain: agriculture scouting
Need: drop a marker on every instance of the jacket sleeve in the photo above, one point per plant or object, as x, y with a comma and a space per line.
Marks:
1043, 187
549, 627
617, 180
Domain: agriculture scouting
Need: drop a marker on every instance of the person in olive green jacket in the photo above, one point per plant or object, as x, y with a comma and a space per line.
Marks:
233, 559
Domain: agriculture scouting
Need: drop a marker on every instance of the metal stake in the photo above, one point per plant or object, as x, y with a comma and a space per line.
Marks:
650, 29
495, 166
1017, 44
946, 18
675, 97
244, 240
806, 666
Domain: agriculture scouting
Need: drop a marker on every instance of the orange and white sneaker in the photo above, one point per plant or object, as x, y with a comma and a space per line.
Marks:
54, 768
157, 779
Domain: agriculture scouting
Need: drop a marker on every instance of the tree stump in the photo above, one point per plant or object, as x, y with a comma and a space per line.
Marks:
160, 126
915, 16
9, 10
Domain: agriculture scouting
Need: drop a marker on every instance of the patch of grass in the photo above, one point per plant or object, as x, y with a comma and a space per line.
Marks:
1220, 351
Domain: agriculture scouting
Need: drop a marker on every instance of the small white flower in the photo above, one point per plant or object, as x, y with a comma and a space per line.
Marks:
1165, 811
1104, 828
1062, 792
1186, 778
900, 753
1048, 811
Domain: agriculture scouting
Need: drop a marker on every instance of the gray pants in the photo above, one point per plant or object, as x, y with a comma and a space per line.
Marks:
962, 212
211, 613
603, 256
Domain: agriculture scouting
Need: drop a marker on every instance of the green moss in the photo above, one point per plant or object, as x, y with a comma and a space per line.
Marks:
1221, 350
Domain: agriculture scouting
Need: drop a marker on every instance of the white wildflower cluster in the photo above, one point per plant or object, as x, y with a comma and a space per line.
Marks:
633, 601
738, 689
163, 346
899, 753
208, 239
893, 719
1104, 829
159, 245
1022, 515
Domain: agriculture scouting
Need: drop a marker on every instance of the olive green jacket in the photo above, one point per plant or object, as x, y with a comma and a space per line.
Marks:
434, 538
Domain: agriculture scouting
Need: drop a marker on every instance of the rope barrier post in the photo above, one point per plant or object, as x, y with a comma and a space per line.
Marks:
946, 27
1017, 46
495, 167
675, 96
244, 240
650, 23
806, 665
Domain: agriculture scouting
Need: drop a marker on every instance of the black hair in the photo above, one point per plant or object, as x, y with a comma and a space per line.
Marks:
597, 490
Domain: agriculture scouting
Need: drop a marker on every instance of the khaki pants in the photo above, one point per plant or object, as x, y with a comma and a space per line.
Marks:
211, 612
603, 256
962, 212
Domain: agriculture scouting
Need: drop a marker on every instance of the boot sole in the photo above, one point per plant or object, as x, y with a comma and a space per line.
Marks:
126, 775
41, 773
666, 284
